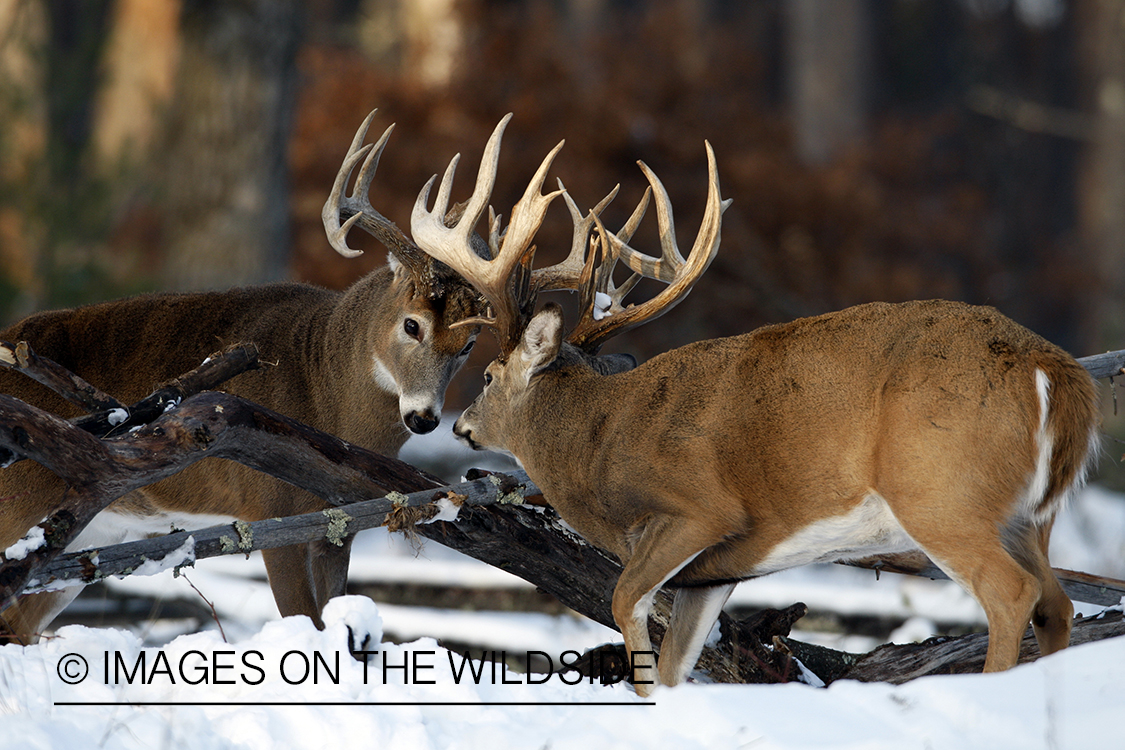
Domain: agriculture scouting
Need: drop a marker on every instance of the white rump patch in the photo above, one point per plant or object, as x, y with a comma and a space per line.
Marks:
868, 529
1037, 487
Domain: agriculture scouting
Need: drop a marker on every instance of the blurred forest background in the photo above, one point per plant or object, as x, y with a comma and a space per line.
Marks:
874, 149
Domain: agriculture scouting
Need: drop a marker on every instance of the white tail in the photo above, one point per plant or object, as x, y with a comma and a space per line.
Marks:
880, 428
370, 365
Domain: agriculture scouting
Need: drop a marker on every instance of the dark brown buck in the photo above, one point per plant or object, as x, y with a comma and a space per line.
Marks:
370, 365
877, 429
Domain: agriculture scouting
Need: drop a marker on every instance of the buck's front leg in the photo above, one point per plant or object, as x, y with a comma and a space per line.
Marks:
694, 612
329, 560
291, 581
665, 546
304, 577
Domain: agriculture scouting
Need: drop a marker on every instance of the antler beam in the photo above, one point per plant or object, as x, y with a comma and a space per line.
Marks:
504, 281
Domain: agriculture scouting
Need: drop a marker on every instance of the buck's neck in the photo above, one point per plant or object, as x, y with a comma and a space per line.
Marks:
344, 383
563, 422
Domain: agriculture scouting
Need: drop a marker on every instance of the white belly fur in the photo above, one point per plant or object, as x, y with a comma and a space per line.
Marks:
869, 529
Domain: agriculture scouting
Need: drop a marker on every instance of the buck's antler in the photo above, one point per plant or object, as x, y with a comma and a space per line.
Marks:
602, 309
357, 209
505, 280
509, 284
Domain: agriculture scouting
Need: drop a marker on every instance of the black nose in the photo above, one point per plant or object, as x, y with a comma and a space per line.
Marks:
421, 423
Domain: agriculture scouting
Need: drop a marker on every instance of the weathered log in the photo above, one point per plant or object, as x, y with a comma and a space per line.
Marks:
399, 511
1105, 365
110, 416
964, 654
19, 356
1082, 587
208, 425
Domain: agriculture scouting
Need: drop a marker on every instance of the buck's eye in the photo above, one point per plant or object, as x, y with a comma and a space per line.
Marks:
410, 325
468, 348
487, 378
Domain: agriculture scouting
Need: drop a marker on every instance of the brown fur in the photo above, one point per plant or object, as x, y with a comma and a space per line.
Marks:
318, 346
726, 448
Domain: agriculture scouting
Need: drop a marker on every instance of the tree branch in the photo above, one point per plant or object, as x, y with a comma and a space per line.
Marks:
1105, 365
56, 377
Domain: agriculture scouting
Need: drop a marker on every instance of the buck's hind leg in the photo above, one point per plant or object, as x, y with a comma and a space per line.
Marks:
1053, 614
969, 549
694, 612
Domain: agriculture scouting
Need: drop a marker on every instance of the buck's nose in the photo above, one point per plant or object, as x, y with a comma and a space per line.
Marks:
421, 422
465, 435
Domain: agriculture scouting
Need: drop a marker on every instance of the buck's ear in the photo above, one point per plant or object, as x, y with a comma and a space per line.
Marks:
542, 338
400, 271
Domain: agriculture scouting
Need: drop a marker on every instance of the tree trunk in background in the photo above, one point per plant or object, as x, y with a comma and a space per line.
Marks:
23, 142
1101, 181
139, 74
423, 39
826, 54
224, 180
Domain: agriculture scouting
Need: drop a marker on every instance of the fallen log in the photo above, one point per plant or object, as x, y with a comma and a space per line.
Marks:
528, 541
899, 663
1081, 587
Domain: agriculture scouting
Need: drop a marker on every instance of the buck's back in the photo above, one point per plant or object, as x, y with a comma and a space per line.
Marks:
807, 401
128, 347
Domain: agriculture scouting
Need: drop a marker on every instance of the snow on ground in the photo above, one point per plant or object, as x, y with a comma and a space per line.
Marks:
253, 691
290, 685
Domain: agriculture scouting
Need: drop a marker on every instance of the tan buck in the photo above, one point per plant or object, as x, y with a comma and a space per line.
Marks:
369, 365
877, 429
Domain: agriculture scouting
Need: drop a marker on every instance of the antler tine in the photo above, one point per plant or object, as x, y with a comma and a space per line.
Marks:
671, 267
450, 243
568, 273
330, 214
531, 208
358, 210
512, 252
357, 203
